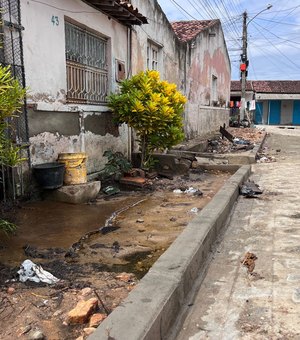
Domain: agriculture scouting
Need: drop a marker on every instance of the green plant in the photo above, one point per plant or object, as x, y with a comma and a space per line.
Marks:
7, 227
11, 100
153, 108
117, 164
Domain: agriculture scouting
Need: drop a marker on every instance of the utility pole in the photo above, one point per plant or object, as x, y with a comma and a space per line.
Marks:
245, 62
243, 67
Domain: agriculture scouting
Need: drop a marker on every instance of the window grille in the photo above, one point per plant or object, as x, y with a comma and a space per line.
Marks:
152, 56
87, 69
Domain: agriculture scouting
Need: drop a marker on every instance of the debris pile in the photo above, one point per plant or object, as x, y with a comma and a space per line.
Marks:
264, 157
245, 140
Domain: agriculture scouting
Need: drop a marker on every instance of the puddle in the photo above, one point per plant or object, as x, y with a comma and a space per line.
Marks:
49, 224
122, 233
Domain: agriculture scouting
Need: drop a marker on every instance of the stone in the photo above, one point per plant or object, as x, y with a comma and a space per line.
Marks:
139, 220
89, 330
81, 313
133, 181
57, 313
10, 290
86, 291
75, 194
80, 338
96, 319
125, 277
194, 165
25, 330
36, 335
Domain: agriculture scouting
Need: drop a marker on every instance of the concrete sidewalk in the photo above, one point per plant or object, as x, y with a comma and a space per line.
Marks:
265, 304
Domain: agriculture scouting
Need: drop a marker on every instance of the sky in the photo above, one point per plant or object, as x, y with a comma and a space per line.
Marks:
273, 35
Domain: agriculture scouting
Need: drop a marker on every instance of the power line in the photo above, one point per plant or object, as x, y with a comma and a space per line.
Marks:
270, 42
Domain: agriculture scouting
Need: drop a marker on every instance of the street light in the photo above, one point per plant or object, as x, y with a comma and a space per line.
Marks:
245, 61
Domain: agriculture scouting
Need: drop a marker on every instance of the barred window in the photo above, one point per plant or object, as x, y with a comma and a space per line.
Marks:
87, 67
152, 56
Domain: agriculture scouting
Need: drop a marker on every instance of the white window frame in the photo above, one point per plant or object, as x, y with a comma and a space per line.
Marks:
153, 56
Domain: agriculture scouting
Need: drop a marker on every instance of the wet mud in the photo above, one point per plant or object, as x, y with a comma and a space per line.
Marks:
93, 245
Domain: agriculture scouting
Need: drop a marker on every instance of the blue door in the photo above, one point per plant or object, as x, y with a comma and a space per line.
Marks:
296, 112
258, 113
274, 112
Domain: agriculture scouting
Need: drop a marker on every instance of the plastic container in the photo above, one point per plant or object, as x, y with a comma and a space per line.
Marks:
75, 167
49, 175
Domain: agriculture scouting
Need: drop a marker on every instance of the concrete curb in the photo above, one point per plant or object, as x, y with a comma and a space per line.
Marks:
150, 310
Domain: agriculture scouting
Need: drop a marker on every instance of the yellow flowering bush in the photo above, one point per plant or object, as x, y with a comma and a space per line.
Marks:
153, 108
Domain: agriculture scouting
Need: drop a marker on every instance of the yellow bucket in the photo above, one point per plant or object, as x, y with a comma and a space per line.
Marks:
75, 167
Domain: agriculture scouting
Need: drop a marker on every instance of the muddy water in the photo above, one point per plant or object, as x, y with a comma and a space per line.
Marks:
48, 224
145, 224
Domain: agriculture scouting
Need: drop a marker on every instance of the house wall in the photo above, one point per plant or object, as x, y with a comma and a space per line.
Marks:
56, 126
159, 31
208, 59
189, 65
51, 121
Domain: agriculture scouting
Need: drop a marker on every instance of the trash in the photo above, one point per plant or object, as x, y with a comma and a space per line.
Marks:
33, 272
249, 261
241, 141
190, 190
195, 192
111, 190
177, 191
250, 189
194, 210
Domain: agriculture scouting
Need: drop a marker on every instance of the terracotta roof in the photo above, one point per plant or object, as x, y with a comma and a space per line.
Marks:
236, 85
121, 10
187, 30
268, 86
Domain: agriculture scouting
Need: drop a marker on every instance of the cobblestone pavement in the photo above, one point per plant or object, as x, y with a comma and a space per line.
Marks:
233, 303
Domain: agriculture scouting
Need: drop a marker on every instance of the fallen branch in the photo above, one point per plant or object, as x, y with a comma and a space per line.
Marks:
102, 304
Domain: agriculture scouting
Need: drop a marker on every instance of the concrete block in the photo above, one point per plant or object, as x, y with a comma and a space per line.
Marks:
75, 194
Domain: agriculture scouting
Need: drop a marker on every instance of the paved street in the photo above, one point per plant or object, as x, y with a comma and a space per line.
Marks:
264, 304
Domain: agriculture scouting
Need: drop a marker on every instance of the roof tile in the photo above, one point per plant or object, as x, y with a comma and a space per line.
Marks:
187, 30
268, 86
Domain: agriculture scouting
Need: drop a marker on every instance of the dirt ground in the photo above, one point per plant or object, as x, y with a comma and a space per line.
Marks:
110, 261
103, 256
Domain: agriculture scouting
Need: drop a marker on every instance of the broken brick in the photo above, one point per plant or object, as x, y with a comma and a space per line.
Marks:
81, 313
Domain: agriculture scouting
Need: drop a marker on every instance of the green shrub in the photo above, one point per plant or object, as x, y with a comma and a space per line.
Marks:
153, 108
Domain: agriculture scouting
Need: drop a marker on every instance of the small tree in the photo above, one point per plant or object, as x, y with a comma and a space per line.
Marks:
11, 100
153, 108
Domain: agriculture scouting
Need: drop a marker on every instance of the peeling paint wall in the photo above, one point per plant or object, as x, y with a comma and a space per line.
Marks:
52, 133
190, 65
54, 125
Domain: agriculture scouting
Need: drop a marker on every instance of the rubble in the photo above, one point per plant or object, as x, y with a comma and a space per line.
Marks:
264, 157
237, 139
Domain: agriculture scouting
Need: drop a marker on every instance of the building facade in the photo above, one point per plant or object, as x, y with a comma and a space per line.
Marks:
277, 102
77, 52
